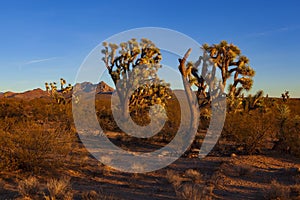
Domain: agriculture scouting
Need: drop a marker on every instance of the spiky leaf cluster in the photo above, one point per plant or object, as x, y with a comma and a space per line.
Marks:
146, 96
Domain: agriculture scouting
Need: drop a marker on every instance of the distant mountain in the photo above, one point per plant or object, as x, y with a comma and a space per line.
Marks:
87, 87
30, 94
104, 88
6, 94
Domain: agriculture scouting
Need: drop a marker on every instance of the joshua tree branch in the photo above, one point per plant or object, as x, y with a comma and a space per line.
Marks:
182, 61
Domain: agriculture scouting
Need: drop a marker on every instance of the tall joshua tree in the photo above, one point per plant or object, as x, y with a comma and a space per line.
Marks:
135, 68
226, 58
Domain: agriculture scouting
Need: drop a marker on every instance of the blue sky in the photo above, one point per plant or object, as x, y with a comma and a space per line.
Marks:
44, 40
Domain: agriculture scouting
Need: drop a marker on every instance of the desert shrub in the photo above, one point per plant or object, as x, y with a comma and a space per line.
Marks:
95, 195
249, 131
288, 128
174, 178
191, 186
192, 191
29, 188
275, 124
163, 136
59, 189
277, 191
30, 146
90, 195
39, 110
10, 108
194, 175
106, 120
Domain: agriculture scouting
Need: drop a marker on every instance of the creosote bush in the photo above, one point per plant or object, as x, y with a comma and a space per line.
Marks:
29, 146
249, 131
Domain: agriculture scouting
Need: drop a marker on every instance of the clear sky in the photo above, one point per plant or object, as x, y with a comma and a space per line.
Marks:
45, 40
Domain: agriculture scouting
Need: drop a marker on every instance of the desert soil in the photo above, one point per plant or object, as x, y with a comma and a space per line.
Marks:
233, 177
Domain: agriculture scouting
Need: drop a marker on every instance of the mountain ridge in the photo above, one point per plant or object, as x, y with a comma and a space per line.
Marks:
87, 87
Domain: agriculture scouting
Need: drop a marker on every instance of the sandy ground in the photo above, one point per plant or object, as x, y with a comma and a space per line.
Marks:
232, 177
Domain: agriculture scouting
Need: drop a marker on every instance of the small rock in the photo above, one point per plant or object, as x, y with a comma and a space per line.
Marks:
233, 155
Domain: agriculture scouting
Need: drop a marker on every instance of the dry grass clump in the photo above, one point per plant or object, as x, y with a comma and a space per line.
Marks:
174, 178
278, 191
96, 195
192, 191
29, 188
59, 189
191, 186
194, 175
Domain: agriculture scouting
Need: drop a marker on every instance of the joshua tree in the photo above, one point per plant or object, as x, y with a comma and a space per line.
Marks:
59, 98
285, 96
54, 94
53, 90
62, 83
224, 59
68, 88
186, 71
47, 87
283, 117
228, 59
253, 102
249, 103
134, 72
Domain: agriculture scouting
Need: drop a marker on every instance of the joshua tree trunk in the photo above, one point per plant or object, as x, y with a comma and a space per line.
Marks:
193, 103
125, 108
124, 102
